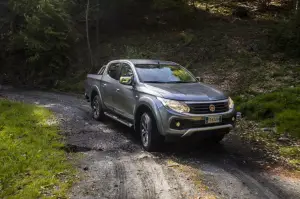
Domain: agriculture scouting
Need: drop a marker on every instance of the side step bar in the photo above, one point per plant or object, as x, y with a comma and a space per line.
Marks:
114, 117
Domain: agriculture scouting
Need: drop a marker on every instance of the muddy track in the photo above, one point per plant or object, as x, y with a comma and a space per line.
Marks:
115, 165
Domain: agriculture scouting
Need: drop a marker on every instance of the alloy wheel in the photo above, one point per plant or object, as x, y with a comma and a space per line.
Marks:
96, 107
145, 129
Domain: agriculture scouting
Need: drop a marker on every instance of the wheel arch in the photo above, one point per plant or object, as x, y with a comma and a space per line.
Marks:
147, 106
95, 91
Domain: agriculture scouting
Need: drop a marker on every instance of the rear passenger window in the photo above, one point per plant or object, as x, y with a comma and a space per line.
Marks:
114, 71
101, 71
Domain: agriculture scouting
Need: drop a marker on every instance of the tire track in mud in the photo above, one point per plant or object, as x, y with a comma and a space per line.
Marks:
252, 184
247, 175
147, 181
121, 179
234, 180
176, 187
160, 185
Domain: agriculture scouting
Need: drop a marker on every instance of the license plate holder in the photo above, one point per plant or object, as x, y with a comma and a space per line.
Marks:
213, 119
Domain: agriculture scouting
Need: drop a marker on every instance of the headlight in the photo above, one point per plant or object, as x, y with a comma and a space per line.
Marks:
230, 103
177, 106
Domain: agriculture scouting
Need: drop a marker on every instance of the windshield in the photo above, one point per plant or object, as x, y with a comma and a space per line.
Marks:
154, 73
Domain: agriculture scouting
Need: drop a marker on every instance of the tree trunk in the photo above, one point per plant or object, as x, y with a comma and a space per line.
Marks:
87, 33
97, 24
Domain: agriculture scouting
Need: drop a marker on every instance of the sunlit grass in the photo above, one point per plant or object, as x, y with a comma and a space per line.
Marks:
33, 165
292, 153
214, 8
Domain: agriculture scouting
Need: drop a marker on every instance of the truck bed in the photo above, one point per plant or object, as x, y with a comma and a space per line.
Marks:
92, 80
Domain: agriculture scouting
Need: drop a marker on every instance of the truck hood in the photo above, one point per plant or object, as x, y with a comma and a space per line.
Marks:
187, 91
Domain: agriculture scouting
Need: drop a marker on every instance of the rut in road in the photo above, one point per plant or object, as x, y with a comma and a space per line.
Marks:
128, 175
115, 166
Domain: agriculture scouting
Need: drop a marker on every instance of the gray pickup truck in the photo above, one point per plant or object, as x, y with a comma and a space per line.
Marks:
159, 99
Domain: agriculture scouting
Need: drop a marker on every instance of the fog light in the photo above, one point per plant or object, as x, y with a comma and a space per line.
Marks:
233, 119
178, 124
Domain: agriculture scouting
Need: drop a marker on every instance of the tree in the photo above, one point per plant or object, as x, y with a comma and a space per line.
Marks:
44, 33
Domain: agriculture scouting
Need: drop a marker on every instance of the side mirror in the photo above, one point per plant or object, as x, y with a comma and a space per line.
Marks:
126, 80
199, 79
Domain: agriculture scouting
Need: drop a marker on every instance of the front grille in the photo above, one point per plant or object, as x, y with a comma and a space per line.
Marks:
203, 108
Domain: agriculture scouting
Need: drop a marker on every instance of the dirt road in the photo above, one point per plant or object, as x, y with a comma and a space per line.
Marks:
115, 166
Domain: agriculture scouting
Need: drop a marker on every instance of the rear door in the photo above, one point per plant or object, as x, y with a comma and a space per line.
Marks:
110, 81
125, 94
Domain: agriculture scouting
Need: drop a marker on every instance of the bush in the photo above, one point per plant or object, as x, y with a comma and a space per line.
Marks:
280, 108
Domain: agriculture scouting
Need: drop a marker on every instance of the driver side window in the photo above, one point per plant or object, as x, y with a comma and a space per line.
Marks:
114, 71
126, 71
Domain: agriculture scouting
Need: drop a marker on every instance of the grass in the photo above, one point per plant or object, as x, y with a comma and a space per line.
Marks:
291, 152
280, 109
33, 165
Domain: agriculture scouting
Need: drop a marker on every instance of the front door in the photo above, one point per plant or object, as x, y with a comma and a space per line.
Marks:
125, 94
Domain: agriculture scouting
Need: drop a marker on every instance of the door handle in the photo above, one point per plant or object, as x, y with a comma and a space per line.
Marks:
103, 85
117, 90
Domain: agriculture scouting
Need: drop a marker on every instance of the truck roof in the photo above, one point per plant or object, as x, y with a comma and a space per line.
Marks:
150, 61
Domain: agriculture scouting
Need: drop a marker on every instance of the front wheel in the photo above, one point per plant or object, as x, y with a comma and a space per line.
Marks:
98, 113
151, 138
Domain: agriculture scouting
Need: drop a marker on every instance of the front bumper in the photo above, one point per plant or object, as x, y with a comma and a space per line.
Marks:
193, 123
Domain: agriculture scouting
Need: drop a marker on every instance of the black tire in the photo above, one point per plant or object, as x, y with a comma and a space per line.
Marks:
98, 113
150, 136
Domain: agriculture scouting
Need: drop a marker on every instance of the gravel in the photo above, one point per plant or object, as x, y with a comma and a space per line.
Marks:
114, 165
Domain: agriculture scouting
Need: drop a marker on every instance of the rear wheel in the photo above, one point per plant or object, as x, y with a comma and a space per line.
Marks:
98, 113
150, 137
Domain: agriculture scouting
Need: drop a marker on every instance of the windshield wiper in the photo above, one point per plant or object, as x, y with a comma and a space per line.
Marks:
179, 82
172, 82
155, 82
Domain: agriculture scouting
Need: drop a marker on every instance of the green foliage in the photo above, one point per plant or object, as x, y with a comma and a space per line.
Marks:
32, 162
288, 121
131, 52
292, 153
45, 35
280, 108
